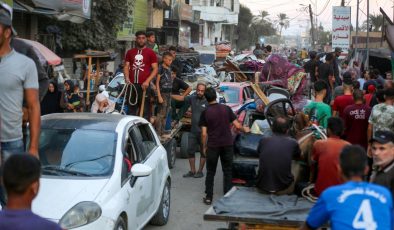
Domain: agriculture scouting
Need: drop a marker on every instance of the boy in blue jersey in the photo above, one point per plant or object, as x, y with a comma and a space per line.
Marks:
354, 204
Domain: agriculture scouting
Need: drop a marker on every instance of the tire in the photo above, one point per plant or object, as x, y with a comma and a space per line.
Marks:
163, 213
171, 153
120, 224
184, 145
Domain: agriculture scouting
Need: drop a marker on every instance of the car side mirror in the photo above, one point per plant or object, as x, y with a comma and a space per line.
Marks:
140, 170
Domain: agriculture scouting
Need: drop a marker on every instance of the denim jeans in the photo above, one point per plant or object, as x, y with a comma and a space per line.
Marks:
11, 147
226, 158
8, 149
183, 106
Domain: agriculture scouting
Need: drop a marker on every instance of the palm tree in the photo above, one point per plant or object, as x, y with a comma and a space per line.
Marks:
261, 25
261, 18
283, 22
375, 23
263, 14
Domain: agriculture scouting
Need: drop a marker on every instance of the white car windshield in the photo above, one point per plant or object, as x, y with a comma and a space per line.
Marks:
115, 86
77, 152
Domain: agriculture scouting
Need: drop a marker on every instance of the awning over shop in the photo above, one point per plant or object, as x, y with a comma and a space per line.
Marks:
21, 8
76, 11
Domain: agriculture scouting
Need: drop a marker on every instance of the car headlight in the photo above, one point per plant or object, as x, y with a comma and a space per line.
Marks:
81, 214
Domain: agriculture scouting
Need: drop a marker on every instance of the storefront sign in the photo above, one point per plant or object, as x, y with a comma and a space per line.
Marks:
341, 23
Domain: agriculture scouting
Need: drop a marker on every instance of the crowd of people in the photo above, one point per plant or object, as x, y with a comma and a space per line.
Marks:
352, 170
357, 158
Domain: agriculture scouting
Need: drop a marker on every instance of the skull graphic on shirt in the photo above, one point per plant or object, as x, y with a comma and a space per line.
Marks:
138, 62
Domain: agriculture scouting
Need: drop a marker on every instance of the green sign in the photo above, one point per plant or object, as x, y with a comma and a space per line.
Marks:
126, 31
137, 18
9, 2
140, 15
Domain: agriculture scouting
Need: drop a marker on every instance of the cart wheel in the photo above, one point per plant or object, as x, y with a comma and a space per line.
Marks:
184, 145
232, 226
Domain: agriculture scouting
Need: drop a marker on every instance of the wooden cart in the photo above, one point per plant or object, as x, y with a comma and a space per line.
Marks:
90, 55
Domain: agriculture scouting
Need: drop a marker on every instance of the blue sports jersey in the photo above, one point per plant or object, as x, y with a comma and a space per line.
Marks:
353, 205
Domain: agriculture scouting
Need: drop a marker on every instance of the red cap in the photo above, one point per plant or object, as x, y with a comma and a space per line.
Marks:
371, 88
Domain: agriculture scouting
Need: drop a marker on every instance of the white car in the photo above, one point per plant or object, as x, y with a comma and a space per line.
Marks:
102, 171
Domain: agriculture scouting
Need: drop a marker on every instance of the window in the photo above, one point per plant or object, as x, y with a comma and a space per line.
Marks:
212, 3
231, 95
144, 139
248, 93
232, 5
129, 157
77, 152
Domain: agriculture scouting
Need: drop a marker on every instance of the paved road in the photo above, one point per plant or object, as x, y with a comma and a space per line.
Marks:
187, 208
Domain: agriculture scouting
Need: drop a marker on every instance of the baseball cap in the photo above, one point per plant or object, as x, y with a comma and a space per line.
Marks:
338, 49
383, 137
5, 16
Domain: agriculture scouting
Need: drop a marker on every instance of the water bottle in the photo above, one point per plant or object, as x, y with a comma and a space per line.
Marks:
91, 84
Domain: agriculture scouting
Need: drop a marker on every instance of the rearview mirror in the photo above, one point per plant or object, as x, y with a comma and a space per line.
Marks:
140, 170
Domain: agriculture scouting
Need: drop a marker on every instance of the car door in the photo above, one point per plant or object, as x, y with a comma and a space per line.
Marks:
147, 188
129, 191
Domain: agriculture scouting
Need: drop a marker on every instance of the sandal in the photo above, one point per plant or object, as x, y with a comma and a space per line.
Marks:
207, 200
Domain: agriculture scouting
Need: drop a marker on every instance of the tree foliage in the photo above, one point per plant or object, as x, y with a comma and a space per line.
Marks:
245, 17
324, 37
250, 28
262, 26
375, 22
282, 22
97, 33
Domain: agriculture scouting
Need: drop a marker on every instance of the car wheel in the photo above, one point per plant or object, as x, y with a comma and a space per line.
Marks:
171, 153
120, 224
163, 213
184, 145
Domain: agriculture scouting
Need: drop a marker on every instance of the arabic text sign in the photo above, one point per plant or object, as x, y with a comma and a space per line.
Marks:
341, 22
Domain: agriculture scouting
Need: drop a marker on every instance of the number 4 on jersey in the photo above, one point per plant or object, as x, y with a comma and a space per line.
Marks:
364, 217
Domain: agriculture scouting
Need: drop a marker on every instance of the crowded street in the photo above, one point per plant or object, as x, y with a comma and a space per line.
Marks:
195, 114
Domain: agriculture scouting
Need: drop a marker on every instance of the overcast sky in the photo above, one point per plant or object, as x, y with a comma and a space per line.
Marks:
300, 19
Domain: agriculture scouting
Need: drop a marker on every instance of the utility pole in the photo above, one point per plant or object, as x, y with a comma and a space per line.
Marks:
342, 2
312, 27
356, 48
367, 44
317, 25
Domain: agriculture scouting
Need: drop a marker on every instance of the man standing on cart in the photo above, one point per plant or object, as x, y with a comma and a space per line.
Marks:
139, 70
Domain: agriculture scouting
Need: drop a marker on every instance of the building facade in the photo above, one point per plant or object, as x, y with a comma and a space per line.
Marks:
218, 19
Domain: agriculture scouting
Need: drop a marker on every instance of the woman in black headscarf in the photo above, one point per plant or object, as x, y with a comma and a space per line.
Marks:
51, 101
